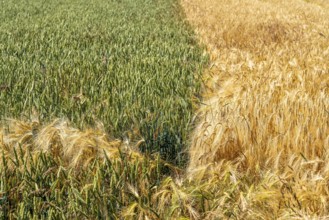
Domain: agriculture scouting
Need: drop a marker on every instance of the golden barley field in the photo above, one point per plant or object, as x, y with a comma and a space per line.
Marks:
266, 101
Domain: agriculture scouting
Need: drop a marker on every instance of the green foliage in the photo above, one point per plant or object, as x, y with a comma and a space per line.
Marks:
43, 188
128, 63
131, 64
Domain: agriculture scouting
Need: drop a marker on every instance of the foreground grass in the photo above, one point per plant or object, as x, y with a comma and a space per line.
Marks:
54, 171
65, 173
266, 103
129, 64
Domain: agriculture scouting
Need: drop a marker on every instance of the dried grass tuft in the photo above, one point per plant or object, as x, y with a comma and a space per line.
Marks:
76, 148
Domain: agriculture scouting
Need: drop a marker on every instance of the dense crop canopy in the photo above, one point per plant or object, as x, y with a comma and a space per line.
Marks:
125, 63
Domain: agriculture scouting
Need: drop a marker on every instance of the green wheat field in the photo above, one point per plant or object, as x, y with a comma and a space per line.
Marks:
129, 65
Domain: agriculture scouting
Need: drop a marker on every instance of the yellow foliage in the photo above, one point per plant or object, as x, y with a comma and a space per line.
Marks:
266, 100
77, 148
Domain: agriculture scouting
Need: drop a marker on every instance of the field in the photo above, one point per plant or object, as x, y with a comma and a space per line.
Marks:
101, 61
164, 109
266, 102
82, 77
